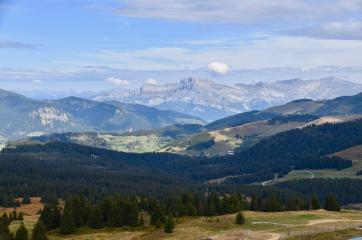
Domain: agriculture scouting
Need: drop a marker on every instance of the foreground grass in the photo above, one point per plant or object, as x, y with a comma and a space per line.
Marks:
338, 235
258, 226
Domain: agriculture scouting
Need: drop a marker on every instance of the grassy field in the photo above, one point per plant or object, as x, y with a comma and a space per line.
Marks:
259, 226
301, 174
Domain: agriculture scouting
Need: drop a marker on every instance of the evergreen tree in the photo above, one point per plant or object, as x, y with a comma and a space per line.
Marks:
142, 221
131, 213
95, 219
21, 216
21, 233
39, 231
157, 214
169, 225
314, 202
14, 215
273, 204
50, 198
67, 224
255, 203
331, 204
80, 212
26, 200
240, 218
50, 216
115, 216
4, 228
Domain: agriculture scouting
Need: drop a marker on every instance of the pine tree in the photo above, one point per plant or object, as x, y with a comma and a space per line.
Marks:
21, 216
67, 224
273, 204
50, 216
314, 202
169, 225
255, 203
80, 212
39, 232
142, 221
240, 218
131, 213
4, 228
115, 216
14, 215
95, 219
21, 233
331, 204
26, 200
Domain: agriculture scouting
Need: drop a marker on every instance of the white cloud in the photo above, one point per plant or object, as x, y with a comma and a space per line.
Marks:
218, 68
37, 81
116, 81
151, 81
246, 11
344, 30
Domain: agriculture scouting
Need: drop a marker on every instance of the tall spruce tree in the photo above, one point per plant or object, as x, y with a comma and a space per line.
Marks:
39, 231
95, 219
331, 204
50, 216
21, 233
314, 202
67, 224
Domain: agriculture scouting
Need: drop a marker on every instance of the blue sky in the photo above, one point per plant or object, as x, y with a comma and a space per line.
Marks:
96, 45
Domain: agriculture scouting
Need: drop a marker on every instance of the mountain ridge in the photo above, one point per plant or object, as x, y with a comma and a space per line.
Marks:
208, 100
23, 117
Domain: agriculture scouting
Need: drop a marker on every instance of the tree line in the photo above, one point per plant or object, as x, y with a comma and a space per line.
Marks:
137, 212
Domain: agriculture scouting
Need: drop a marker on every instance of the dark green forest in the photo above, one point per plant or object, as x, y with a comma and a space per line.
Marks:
64, 169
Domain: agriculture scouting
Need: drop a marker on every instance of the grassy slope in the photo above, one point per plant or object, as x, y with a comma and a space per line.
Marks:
258, 226
353, 153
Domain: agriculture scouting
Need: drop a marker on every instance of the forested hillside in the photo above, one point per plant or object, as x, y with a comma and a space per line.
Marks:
65, 169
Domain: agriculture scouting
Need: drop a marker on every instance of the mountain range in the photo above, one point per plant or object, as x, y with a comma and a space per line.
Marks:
224, 136
211, 101
22, 117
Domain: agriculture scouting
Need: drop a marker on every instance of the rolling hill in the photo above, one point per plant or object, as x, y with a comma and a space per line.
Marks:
224, 136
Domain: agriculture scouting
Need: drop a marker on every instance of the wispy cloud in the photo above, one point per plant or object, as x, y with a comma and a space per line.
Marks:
237, 11
274, 51
344, 30
17, 45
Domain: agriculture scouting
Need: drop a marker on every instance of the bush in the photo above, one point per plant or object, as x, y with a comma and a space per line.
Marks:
169, 225
240, 218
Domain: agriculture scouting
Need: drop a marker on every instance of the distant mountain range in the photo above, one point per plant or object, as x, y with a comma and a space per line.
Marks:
210, 101
22, 117
224, 136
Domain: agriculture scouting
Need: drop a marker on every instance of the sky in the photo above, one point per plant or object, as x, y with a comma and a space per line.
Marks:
90, 45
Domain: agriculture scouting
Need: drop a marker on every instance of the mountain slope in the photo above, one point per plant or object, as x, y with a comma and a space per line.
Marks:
210, 101
347, 105
21, 116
